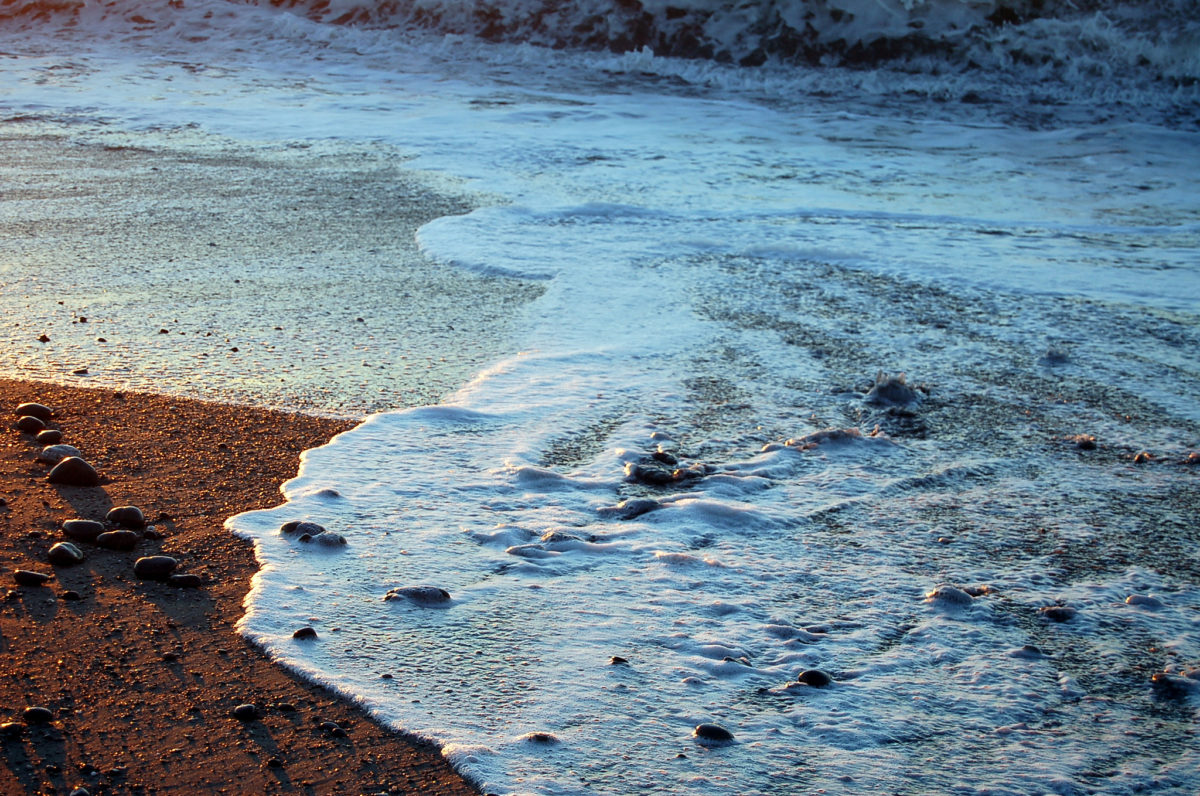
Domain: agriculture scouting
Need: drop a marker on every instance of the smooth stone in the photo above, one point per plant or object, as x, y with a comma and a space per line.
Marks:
40, 411
815, 677
184, 581
26, 577
1058, 613
30, 425
64, 554
70, 595
333, 728
246, 712
653, 473
712, 732
53, 454
541, 737
302, 527
330, 539
49, 436
154, 567
38, 715
617, 660
127, 516
118, 540
949, 595
428, 595
74, 471
83, 530
305, 632
1144, 601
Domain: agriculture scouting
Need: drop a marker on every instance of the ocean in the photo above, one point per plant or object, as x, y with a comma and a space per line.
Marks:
822, 374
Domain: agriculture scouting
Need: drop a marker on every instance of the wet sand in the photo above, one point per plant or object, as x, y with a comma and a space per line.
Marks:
142, 677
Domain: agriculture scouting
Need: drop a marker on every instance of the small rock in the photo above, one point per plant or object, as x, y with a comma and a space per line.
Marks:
83, 530
949, 595
126, 516
12, 729
70, 595
275, 762
118, 540
617, 660
1085, 442
1143, 457
1144, 601
301, 526
541, 737
38, 715
246, 712
815, 677
49, 436
43, 338
154, 567
427, 595
53, 454
305, 632
630, 509
712, 732
330, 539
332, 728
64, 554
892, 391
170, 657
79, 372
26, 577
1058, 613
30, 425
184, 581
1173, 686
74, 471
40, 411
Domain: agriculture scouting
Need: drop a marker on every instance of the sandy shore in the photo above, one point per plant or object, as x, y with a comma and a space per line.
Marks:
141, 677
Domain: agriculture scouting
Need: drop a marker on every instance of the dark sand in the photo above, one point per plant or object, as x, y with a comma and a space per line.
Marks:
142, 677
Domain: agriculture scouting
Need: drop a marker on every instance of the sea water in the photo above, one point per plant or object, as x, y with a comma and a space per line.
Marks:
828, 366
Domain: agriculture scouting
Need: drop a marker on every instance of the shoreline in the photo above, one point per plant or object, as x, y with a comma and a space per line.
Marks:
142, 677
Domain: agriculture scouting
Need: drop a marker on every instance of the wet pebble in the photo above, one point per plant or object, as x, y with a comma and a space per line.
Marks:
330, 539
1144, 601
1058, 613
1174, 686
26, 577
40, 411
49, 436
246, 712
38, 715
74, 471
949, 595
617, 660
154, 567
427, 595
301, 527
712, 732
64, 554
53, 454
1143, 457
118, 540
630, 509
126, 516
1030, 651
184, 581
891, 390
815, 678
30, 425
333, 729
305, 632
83, 530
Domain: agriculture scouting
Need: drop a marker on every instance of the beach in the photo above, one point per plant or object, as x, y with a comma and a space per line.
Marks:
141, 677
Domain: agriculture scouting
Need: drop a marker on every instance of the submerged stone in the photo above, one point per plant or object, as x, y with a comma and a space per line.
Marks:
426, 595
712, 732
949, 595
1058, 613
892, 391
815, 677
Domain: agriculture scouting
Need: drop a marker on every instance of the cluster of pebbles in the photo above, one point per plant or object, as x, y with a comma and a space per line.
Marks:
123, 527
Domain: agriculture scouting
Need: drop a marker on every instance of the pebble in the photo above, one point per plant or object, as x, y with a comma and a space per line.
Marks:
154, 567
40, 411
1058, 613
126, 516
1144, 601
815, 677
305, 632
1143, 457
12, 729
74, 471
28, 424
892, 391
49, 436
429, 595
83, 530
630, 509
247, 712
38, 715
617, 660
712, 732
53, 454
330, 539
184, 581
118, 540
26, 577
64, 554
333, 728
949, 595
301, 526
71, 595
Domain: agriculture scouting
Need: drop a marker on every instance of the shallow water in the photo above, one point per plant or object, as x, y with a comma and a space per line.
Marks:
688, 259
